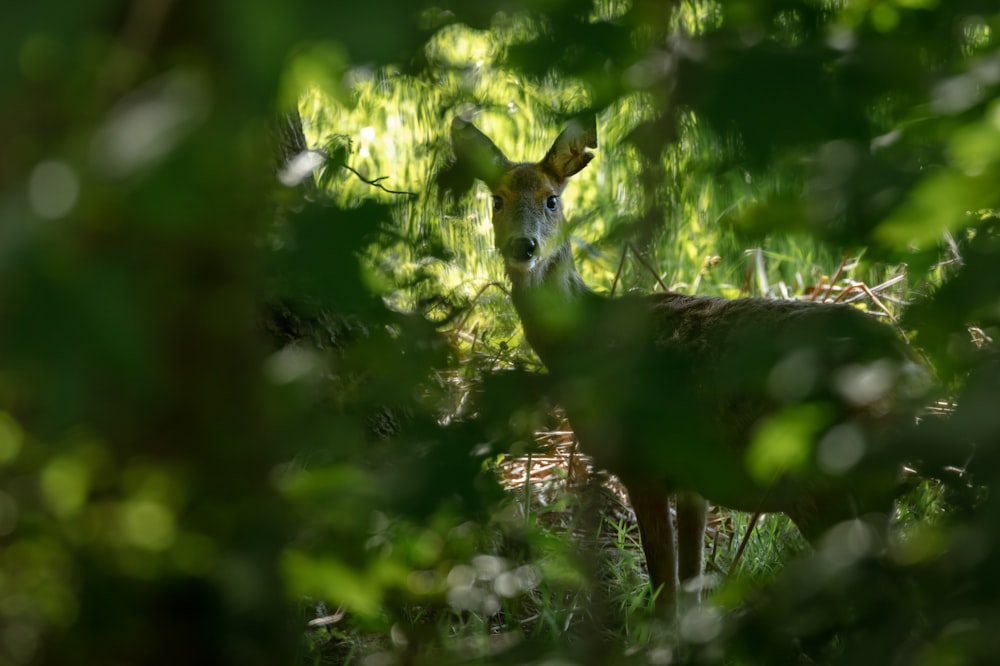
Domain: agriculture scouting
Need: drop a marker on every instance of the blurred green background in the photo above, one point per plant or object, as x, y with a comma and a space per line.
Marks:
237, 395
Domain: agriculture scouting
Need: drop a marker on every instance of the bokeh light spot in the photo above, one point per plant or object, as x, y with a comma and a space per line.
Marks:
53, 189
148, 525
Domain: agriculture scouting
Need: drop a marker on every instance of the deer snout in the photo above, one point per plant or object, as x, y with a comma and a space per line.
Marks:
521, 249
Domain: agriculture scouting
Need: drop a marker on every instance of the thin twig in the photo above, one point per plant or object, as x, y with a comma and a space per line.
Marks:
475, 339
527, 490
881, 287
818, 288
744, 542
461, 324
377, 182
861, 286
618, 273
648, 266
836, 276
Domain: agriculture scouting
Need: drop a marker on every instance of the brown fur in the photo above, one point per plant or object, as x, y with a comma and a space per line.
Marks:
668, 391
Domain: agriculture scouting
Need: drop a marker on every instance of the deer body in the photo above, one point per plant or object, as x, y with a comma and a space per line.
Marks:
669, 391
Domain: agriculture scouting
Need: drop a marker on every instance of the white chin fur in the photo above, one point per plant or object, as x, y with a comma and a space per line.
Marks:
522, 267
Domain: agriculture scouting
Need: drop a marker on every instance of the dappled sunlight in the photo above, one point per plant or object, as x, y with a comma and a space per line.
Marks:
265, 397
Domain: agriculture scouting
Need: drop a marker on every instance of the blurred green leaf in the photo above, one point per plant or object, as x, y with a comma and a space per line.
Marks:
783, 444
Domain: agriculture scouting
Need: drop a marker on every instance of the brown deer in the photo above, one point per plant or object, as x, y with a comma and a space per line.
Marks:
756, 404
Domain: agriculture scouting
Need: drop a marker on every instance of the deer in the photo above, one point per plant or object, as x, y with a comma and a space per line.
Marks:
755, 404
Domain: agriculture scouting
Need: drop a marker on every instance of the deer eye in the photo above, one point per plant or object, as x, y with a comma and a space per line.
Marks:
497, 203
552, 202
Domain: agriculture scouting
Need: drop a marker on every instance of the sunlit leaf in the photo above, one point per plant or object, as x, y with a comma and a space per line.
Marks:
783, 444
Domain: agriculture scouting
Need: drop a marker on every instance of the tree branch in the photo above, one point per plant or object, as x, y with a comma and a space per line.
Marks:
377, 182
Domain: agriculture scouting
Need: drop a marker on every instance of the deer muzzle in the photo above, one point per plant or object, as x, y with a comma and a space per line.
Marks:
520, 250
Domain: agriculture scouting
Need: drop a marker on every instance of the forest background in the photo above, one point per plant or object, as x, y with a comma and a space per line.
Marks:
244, 387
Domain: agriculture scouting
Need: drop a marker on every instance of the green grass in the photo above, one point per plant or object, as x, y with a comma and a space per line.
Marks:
569, 574
581, 586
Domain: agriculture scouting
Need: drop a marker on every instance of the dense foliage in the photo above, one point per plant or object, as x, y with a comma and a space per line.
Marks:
234, 396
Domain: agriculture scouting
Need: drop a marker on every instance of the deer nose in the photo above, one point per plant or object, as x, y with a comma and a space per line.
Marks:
521, 249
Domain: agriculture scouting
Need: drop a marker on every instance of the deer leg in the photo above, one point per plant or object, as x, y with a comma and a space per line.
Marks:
652, 510
692, 510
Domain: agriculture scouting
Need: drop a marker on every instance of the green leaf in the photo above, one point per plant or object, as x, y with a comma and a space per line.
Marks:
783, 443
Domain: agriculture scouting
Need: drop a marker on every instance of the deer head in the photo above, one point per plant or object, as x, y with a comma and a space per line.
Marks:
527, 207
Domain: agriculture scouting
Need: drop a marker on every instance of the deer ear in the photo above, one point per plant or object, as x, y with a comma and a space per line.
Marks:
487, 162
569, 155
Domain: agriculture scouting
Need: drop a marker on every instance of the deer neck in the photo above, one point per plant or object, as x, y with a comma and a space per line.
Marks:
552, 301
